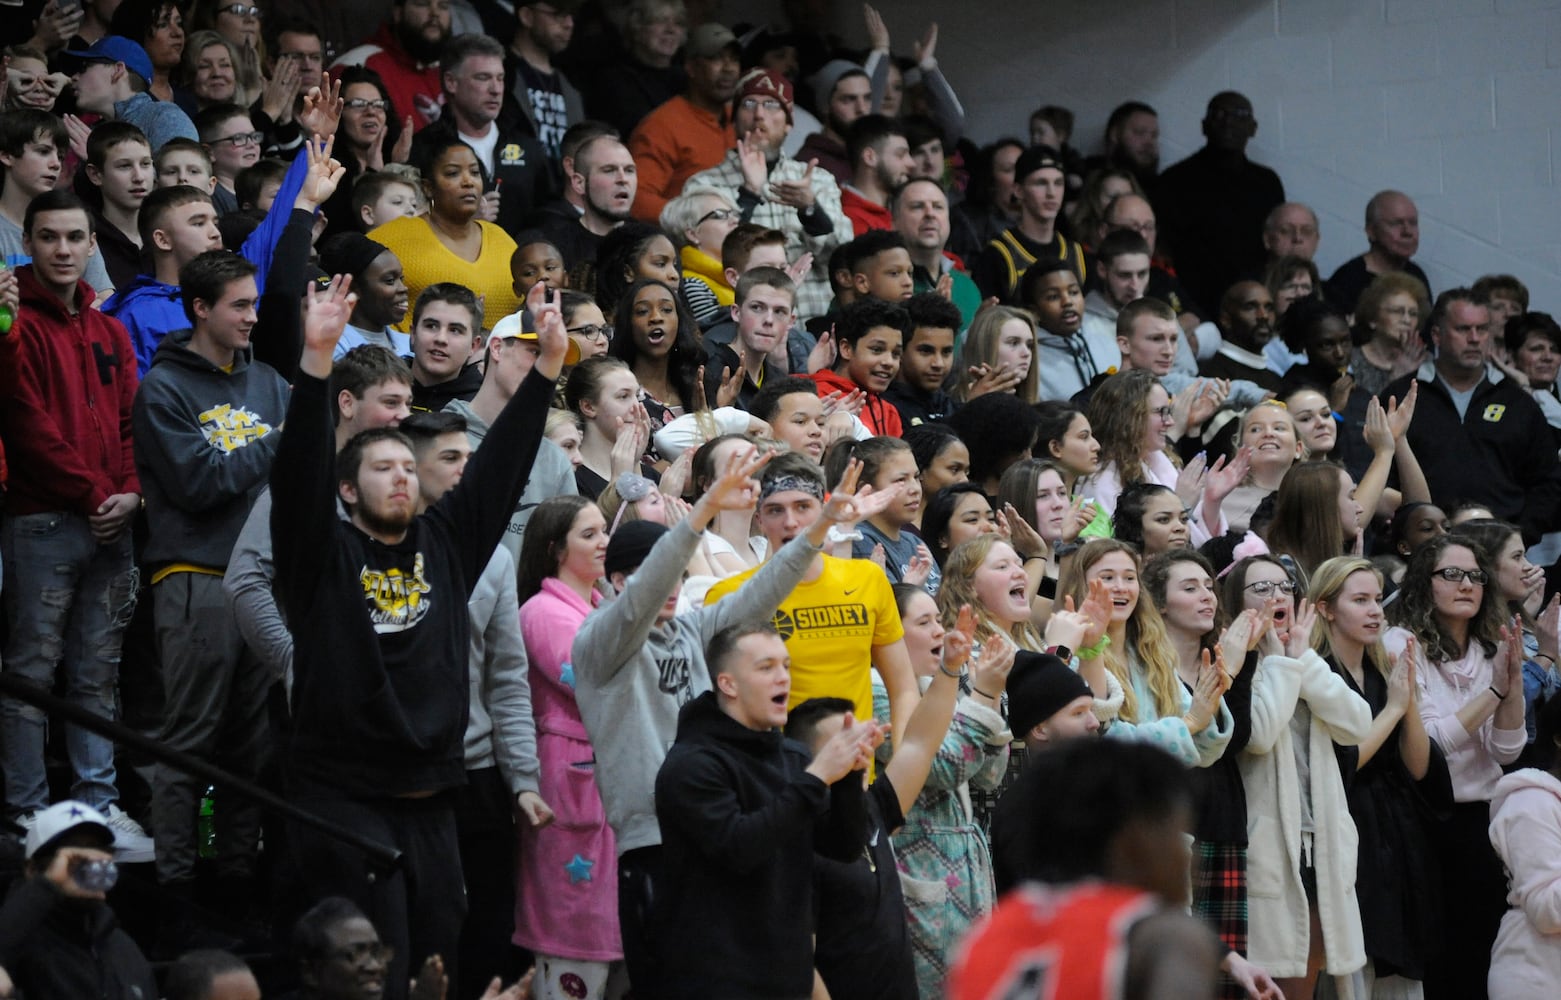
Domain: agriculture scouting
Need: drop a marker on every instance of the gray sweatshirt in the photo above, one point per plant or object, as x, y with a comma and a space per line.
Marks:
552, 475
499, 728
632, 679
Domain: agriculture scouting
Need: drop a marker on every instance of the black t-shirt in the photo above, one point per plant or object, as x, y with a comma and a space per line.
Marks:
863, 949
547, 106
1344, 287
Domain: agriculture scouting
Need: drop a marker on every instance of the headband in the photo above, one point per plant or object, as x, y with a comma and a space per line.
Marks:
632, 488
783, 484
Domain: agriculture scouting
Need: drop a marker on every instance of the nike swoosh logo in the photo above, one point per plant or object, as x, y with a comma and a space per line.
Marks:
848, 593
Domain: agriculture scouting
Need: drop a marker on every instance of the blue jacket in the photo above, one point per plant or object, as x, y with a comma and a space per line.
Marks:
151, 309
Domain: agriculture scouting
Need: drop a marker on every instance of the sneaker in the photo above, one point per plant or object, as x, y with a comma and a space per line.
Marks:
24, 825
131, 843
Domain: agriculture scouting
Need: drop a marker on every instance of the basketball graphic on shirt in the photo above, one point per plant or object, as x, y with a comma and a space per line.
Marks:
784, 624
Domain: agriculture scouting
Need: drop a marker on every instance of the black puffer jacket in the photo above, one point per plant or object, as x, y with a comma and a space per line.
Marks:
63, 949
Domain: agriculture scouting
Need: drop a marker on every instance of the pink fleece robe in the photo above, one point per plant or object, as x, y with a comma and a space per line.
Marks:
1526, 832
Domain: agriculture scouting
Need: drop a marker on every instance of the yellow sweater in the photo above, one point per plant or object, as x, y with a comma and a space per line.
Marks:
426, 261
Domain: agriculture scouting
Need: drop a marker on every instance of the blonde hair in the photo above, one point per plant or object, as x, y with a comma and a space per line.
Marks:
1147, 647
958, 588
1326, 583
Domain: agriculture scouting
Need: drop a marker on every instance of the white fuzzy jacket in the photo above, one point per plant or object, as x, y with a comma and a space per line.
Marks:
1526, 832
1280, 926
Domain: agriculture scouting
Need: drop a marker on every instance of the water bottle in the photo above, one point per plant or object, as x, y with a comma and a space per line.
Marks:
96, 875
7, 316
206, 829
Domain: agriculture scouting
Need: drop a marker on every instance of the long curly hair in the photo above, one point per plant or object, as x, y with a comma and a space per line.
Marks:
1147, 647
959, 588
1327, 582
1415, 608
1119, 412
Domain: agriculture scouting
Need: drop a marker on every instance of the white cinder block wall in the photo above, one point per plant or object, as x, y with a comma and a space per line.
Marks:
1456, 102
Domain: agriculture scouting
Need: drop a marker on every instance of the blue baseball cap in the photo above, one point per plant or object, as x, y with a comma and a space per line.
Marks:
117, 48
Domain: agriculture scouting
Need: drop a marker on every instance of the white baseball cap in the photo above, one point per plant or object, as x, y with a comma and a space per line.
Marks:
61, 818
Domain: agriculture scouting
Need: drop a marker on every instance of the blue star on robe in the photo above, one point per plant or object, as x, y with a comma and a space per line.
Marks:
566, 675
579, 869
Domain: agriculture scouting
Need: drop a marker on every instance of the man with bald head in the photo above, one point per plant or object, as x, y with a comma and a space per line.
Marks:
1212, 205
1247, 324
1393, 232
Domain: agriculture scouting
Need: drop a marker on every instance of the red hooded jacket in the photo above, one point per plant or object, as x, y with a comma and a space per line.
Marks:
879, 415
65, 407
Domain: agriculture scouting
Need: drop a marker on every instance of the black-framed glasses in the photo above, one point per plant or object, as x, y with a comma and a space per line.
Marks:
1453, 574
363, 104
242, 10
242, 139
1266, 588
1163, 412
592, 331
721, 214
356, 954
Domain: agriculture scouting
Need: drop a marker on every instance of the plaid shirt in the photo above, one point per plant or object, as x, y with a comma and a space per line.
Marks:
814, 295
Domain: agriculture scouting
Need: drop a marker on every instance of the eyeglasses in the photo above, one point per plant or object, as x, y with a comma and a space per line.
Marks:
1452, 574
242, 139
360, 104
592, 331
1163, 412
242, 10
1400, 312
754, 103
720, 214
1266, 588
378, 951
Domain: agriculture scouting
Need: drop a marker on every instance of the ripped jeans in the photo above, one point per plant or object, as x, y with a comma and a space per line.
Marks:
68, 600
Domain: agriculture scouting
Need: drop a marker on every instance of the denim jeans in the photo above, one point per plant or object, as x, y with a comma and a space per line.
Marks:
68, 600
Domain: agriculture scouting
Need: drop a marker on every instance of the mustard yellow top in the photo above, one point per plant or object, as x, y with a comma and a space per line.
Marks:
426, 261
698, 264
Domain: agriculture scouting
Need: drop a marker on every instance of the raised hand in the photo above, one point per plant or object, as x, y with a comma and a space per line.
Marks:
1097, 605
1240, 637
278, 94
990, 671
402, 151
324, 175
546, 307
960, 640
1081, 514
920, 568
926, 50
1401, 682
993, 378
736, 488
799, 269
851, 402
488, 206
848, 505
325, 317
1025, 539
1205, 696
1550, 628
321, 113
431, 982
1509, 655
843, 752
78, 131
821, 357
945, 286
796, 194
1378, 433
674, 481
1189, 482
1067, 627
877, 30
1401, 415
1300, 638
751, 161
1223, 478
731, 386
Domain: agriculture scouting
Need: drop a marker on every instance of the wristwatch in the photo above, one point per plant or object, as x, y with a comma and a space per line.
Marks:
1061, 652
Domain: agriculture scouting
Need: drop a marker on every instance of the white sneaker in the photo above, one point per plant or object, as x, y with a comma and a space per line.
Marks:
25, 824
131, 843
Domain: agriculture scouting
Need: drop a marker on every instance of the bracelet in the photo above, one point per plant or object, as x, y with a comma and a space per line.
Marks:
1498, 694
1092, 652
1547, 656
976, 690
946, 673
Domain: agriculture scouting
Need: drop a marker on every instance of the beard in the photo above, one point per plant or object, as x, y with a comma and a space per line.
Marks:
606, 211
384, 521
418, 45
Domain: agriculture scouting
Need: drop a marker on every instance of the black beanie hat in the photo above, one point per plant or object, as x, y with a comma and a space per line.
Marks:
1039, 686
630, 544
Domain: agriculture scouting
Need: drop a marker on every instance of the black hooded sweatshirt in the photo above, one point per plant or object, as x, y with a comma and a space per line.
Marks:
740, 821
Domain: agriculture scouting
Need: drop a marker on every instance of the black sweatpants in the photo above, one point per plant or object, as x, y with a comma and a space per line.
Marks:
418, 909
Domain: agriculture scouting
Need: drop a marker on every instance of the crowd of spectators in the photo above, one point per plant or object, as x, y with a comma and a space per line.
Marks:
729, 532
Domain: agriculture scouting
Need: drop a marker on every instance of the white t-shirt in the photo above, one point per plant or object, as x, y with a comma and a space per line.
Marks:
484, 146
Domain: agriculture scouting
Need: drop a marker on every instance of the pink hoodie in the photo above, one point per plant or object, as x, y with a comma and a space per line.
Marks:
1526, 832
